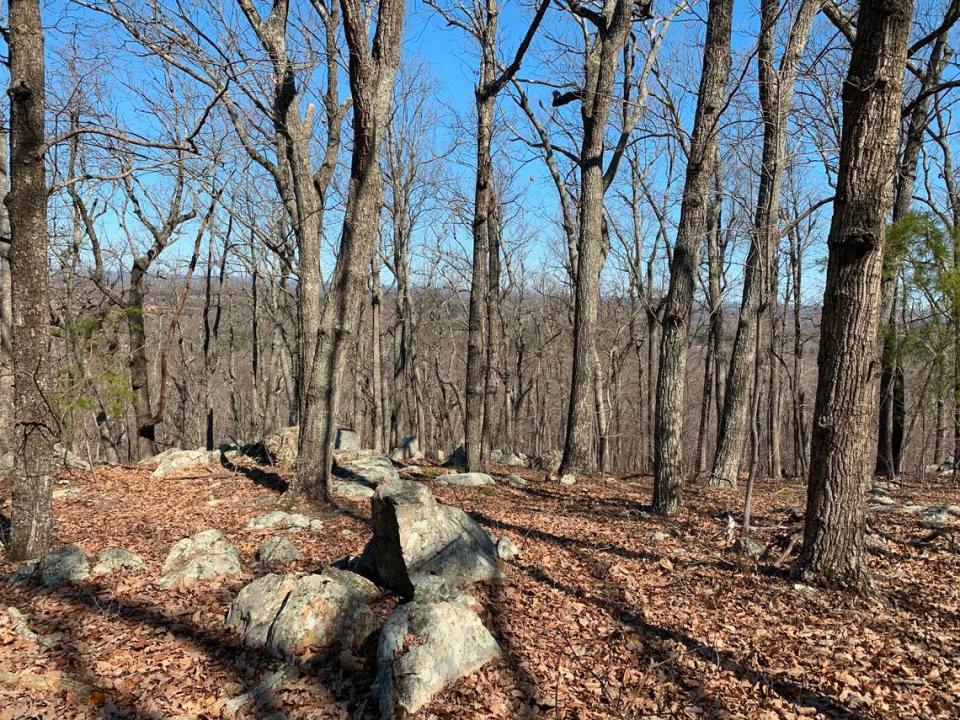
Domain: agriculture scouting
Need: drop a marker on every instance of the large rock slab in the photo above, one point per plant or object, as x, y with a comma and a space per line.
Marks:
350, 489
295, 617
423, 648
414, 537
69, 459
371, 471
180, 460
278, 550
67, 564
281, 520
282, 446
208, 555
548, 461
470, 479
112, 560
407, 451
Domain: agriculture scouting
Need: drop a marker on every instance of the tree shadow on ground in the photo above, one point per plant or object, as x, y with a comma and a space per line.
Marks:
266, 477
786, 689
221, 648
563, 541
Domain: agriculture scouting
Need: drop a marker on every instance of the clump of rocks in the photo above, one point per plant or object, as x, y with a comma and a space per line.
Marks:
425, 552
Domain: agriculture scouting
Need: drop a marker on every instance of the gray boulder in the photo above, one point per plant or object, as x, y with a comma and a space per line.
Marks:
350, 489
881, 501
370, 471
750, 548
295, 616
515, 481
436, 456
939, 515
347, 439
507, 549
425, 647
281, 520
407, 451
474, 479
208, 555
6, 463
67, 564
114, 559
69, 459
568, 479
414, 537
278, 550
181, 460
548, 461
282, 446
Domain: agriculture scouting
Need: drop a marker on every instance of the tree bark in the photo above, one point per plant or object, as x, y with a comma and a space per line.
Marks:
701, 161
833, 546
6, 312
36, 429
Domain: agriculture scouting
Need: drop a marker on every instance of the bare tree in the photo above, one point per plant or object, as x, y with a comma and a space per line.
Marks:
36, 428
701, 159
776, 99
833, 545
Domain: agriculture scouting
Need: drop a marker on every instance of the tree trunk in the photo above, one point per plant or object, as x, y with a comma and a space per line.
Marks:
776, 99
668, 441
372, 74
600, 73
833, 545
892, 416
31, 526
6, 312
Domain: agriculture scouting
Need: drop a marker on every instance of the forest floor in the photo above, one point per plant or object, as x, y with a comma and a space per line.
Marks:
607, 612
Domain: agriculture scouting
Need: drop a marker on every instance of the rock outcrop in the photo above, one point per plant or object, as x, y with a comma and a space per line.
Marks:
295, 616
414, 537
474, 479
425, 646
208, 555
65, 565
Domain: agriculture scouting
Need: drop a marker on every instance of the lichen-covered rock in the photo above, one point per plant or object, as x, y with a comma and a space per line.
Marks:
278, 550
256, 606
114, 559
371, 471
180, 460
350, 489
507, 549
407, 451
568, 479
66, 564
281, 520
414, 536
473, 479
282, 446
295, 616
749, 548
548, 461
425, 647
69, 459
206, 556
515, 481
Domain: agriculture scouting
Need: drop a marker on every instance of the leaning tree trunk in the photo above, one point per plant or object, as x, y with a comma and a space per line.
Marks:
833, 543
31, 522
668, 429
